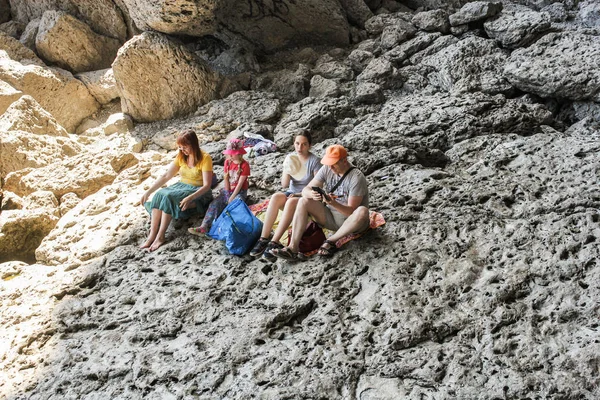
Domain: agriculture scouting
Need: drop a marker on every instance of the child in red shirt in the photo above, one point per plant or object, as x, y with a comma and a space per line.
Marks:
236, 173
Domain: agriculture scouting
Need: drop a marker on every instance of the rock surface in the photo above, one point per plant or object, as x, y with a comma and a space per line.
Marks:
483, 283
532, 69
72, 45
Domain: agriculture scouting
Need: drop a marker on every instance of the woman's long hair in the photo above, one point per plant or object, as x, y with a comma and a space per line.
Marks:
189, 138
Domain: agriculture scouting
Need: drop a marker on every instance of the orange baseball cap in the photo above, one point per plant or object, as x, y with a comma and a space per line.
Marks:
334, 154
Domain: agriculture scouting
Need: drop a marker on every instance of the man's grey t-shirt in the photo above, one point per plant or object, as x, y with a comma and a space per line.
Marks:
354, 184
312, 167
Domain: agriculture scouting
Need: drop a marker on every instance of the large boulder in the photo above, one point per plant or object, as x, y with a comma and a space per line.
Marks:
357, 11
55, 89
267, 25
83, 174
73, 45
563, 65
103, 16
101, 84
181, 81
517, 26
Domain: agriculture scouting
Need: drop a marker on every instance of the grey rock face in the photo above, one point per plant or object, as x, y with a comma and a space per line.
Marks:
517, 26
472, 64
323, 87
475, 11
556, 11
393, 35
357, 11
558, 65
588, 13
434, 20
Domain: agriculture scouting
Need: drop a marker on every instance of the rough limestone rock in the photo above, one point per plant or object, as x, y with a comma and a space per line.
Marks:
20, 150
359, 59
105, 17
101, 84
21, 232
83, 174
72, 45
26, 115
42, 199
380, 71
399, 54
318, 116
29, 34
10, 201
55, 89
287, 85
472, 64
323, 87
369, 93
434, 20
112, 215
8, 95
517, 26
17, 52
424, 126
557, 12
12, 28
267, 25
565, 65
181, 81
475, 11
588, 13
68, 201
393, 35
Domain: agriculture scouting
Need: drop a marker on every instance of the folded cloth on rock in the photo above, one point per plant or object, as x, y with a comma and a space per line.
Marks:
376, 220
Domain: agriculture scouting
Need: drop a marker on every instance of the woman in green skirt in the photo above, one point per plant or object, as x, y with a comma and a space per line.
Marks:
191, 195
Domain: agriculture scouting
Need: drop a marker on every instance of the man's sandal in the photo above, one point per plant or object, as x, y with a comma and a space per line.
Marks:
285, 253
327, 249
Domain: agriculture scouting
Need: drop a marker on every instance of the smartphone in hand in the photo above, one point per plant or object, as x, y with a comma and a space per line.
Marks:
321, 192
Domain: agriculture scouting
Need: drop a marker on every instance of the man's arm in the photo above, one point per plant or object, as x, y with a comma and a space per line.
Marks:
353, 203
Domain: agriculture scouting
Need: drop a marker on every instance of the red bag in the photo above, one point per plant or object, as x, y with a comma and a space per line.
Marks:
312, 238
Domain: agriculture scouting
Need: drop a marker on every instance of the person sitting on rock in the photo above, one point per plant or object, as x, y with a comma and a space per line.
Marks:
342, 207
235, 175
299, 168
191, 195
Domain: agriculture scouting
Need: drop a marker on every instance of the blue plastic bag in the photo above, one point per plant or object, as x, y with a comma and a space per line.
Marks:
237, 226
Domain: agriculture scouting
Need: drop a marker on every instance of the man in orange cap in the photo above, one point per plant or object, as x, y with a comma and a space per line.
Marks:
342, 207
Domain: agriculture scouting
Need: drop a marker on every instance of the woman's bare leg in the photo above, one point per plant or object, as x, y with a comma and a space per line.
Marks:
160, 237
286, 218
278, 200
154, 224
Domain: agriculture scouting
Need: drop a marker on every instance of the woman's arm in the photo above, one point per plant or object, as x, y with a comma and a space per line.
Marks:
171, 172
285, 180
188, 202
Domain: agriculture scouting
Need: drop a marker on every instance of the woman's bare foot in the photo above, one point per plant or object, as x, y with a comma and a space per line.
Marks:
147, 243
157, 243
